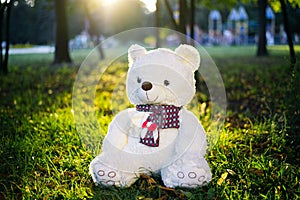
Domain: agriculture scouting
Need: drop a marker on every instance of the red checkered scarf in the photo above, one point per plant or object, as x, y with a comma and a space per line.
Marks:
161, 117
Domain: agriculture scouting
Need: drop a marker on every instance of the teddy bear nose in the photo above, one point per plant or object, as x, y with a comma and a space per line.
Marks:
146, 86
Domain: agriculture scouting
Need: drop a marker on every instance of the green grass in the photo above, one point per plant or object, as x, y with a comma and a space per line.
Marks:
42, 157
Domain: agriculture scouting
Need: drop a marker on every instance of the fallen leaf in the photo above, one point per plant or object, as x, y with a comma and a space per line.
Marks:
231, 172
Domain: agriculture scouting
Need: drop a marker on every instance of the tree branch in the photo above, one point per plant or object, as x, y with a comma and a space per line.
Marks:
170, 12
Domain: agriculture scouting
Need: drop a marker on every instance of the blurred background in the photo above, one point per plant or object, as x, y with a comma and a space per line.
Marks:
33, 21
83, 24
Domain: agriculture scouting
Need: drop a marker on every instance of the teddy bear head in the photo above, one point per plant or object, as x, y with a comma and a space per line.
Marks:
162, 76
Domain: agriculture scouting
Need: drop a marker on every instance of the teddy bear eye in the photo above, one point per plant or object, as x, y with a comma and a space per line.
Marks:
139, 80
166, 82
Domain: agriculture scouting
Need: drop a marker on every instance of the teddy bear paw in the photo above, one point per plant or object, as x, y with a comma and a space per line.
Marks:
107, 176
190, 178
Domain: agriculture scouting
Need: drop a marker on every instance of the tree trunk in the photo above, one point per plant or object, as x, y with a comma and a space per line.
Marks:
192, 20
182, 16
61, 54
7, 40
288, 33
1, 30
6, 16
293, 94
182, 19
157, 24
93, 31
170, 13
262, 41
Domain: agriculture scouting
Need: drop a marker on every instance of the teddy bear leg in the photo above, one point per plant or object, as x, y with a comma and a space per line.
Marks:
107, 176
188, 171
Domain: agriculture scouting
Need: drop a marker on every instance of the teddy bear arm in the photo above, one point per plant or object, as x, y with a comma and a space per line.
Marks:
118, 131
191, 128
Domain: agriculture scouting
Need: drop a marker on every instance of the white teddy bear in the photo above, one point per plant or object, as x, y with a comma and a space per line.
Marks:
159, 134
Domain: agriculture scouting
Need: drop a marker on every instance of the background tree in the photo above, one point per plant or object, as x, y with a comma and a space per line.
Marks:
262, 22
157, 22
36, 26
93, 29
288, 30
293, 95
61, 54
277, 5
183, 12
192, 20
5, 10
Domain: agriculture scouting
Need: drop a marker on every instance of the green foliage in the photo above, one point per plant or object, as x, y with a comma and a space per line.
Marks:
277, 6
42, 156
32, 22
219, 4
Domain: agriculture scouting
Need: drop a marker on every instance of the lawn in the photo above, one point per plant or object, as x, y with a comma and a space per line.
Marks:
256, 156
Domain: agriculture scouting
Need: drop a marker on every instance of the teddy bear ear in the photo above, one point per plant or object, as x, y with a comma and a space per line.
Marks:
189, 53
135, 51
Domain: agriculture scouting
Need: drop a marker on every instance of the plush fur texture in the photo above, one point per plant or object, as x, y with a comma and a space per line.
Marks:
156, 77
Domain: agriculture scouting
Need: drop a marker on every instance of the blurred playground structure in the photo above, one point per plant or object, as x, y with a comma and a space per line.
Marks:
233, 30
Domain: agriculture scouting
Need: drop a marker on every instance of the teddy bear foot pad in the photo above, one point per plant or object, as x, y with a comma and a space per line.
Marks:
107, 176
189, 178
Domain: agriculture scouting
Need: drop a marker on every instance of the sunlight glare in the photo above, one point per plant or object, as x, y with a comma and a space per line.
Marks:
5, 1
109, 2
150, 5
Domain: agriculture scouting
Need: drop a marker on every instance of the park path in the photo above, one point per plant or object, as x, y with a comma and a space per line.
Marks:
31, 50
